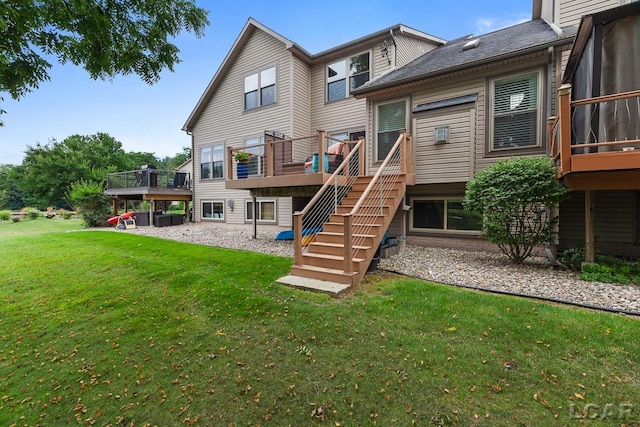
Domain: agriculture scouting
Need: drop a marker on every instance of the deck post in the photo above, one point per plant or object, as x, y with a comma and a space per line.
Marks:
151, 210
564, 98
270, 156
361, 160
321, 143
297, 238
114, 204
347, 265
230, 163
255, 216
408, 148
589, 226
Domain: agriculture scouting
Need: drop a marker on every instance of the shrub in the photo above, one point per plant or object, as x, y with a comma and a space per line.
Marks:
89, 199
67, 215
5, 215
603, 273
31, 213
515, 198
49, 214
572, 258
16, 218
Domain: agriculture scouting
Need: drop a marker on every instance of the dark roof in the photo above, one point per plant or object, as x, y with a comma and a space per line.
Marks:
511, 41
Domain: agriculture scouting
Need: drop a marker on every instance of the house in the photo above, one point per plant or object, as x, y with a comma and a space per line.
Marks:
268, 89
406, 119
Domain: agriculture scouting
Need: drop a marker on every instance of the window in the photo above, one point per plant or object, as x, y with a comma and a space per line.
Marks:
212, 161
255, 147
515, 112
355, 67
213, 210
392, 119
266, 210
260, 88
443, 214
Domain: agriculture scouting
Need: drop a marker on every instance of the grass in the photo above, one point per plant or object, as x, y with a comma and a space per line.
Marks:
118, 329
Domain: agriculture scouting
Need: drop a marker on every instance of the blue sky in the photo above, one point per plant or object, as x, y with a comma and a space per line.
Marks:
150, 118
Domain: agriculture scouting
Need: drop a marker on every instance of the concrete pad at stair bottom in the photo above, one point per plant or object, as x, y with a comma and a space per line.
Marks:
305, 283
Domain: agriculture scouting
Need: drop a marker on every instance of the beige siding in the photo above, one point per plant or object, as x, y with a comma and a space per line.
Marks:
224, 118
301, 102
449, 162
572, 10
409, 48
343, 114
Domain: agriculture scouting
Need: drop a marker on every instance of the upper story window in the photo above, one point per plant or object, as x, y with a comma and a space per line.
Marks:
212, 161
260, 88
515, 112
356, 68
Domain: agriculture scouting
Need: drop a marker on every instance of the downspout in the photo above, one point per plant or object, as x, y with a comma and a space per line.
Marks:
395, 49
191, 211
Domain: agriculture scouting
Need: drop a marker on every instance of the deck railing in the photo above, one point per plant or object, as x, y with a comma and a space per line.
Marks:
326, 201
157, 179
374, 199
291, 156
593, 126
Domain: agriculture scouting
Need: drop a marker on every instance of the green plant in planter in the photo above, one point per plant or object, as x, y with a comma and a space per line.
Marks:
242, 157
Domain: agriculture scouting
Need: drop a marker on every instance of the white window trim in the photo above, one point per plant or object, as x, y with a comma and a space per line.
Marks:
539, 107
258, 202
444, 230
210, 146
407, 118
347, 74
203, 218
260, 104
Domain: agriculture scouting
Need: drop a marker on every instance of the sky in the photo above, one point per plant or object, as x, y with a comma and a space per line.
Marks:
150, 118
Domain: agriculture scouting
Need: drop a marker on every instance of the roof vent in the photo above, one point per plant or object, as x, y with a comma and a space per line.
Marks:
471, 44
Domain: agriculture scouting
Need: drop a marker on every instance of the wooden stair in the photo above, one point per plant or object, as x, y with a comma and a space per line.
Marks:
324, 258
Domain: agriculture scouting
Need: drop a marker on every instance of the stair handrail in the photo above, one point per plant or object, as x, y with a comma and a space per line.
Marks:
331, 182
351, 241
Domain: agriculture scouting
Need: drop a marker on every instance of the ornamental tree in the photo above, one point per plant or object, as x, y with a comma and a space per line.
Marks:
516, 198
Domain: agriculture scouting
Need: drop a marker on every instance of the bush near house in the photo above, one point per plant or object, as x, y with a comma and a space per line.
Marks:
515, 198
5, 215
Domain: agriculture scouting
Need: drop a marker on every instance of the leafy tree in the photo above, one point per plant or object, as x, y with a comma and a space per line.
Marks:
88, 198
172, 162
10, 195
515, 198
107, 38
47, 171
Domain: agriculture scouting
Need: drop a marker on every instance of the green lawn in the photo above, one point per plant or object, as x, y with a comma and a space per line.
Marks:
118, 329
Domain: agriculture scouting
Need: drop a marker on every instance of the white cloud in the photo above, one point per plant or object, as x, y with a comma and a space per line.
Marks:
487, 25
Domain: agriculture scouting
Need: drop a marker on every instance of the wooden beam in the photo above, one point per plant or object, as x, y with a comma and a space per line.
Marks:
612, 160
589, 226
564, 110
606, 180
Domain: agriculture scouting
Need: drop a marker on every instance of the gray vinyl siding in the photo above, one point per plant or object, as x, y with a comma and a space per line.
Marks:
572, 10
224, 117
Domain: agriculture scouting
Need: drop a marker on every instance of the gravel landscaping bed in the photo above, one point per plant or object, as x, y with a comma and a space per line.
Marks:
493, 272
